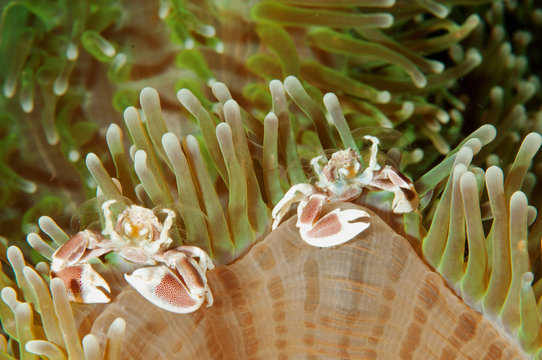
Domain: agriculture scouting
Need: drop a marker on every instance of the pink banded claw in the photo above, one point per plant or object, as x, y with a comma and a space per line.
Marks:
82, 282
333, 228
179, 287
70, 264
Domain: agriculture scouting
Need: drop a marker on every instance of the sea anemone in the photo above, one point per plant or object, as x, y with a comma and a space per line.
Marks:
459, 278
393, 64
275, 295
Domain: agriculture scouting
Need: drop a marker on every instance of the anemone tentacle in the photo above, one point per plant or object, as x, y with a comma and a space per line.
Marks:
493, 277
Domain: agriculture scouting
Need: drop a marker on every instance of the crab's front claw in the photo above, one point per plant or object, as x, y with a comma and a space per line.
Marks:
82, 283
170, 290
83, 246
308, 210
334, 228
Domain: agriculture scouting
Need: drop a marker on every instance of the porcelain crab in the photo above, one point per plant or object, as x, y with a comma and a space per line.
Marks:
343, 178
170, 278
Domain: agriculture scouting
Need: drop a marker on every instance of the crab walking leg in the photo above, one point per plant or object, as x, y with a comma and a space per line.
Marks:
167, 225
334, 228
373, 164
296, 193
205, 263
406, 199
82, 283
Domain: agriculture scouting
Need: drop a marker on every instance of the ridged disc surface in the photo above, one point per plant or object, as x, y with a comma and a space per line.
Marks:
371, 298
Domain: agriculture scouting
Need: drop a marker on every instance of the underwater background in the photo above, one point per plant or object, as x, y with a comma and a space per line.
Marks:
214, 109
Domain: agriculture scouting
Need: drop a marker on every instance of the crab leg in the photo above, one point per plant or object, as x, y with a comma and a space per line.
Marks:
406, 198
373, 164
205, 263
164, 235
334, 228
194, 276
296, 193
106, 207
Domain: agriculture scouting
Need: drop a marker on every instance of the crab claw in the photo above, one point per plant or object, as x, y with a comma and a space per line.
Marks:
81, 247
82, 283
334, 228
309, 210
181, 291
